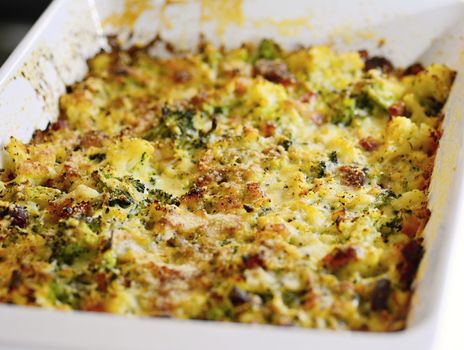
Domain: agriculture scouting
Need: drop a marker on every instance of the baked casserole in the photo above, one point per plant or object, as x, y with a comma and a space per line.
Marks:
252, 185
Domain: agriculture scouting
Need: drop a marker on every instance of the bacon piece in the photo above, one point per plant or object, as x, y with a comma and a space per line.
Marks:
102, 283
20, 216
364, 54
369, 144
92, 139
433, 143
60, 124
15, 280
268, 129
68, 208
248, 208
199, 99
308, 97
182, 76
413, 69
274, 70
378, 62
412, 254
64, 181
424, 213
380, 295
241, 85
411, 225
94, 306
238, 296
254, 260
397, 109
339, 257
351, 176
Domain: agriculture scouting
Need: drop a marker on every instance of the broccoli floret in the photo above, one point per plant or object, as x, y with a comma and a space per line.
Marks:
333, 157
321, 170
268, 50
93, 223
350, 107
120, 198
393, 225
178, 125
286, 144
344, 110
172, 124
164, 197
384, 198
58, 293
139, 186
293, 298
98, 157
316, 171
67, 253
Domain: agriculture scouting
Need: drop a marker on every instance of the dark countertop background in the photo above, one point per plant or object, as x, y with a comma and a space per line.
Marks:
16, 18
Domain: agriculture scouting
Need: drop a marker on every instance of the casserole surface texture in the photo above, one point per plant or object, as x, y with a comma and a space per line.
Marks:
251, 185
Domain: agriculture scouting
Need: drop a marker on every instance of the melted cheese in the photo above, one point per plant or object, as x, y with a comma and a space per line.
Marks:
253, 185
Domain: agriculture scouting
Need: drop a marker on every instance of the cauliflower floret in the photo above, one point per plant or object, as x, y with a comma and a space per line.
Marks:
403, 136
131, 156
330, 70
434, 82
35, 163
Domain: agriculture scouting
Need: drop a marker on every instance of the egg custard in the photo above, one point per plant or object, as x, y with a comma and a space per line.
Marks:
251, 185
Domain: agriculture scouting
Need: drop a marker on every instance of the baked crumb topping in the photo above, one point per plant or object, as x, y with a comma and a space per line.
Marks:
254, 185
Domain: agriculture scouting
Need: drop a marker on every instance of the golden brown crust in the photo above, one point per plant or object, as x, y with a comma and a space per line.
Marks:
251, 185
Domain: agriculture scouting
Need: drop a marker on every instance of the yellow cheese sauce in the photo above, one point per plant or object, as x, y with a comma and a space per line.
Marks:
253, 185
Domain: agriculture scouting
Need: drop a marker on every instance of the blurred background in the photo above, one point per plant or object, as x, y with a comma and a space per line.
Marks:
16, 17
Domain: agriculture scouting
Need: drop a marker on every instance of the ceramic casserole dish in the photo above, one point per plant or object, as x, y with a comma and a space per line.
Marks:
54, 55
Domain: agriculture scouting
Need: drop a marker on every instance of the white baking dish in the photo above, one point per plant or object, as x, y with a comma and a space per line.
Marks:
54, 54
